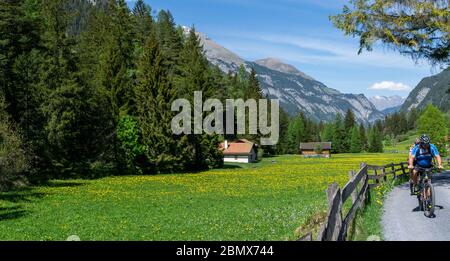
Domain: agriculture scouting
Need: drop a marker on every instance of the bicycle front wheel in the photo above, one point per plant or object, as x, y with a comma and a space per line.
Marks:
430, 203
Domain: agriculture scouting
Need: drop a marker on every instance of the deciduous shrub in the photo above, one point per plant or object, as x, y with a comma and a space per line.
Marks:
12, 156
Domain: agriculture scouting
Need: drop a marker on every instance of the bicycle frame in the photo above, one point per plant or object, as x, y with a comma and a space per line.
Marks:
426, 195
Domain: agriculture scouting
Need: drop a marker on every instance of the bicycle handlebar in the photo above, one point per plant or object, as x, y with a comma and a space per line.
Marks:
417, 168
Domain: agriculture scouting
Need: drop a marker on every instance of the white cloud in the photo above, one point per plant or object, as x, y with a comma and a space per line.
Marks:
390, 86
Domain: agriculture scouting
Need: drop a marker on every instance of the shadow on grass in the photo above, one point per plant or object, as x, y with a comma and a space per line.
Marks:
25, 195
18, 198
230, 166
62, 184
12, 213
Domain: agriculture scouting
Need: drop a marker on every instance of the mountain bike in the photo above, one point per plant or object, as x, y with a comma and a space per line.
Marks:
426, 196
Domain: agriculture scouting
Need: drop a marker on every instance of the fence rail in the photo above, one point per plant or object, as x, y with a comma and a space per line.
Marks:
337, 223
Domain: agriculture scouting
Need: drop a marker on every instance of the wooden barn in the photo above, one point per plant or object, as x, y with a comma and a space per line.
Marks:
240, 151
316, 149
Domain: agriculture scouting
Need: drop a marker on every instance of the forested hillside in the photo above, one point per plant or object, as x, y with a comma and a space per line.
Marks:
89, 84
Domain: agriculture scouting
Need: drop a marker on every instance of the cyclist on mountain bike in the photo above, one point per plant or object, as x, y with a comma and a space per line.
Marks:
422, 155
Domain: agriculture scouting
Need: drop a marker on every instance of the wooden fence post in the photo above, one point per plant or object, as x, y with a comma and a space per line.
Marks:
334, 225
393, 171
377, 178
403, 170
351, 174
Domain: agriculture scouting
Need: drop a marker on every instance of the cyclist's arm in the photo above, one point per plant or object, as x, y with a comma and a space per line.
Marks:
436, 154
412, 155
439, 161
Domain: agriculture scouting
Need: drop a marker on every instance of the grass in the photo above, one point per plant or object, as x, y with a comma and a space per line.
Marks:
403, 145
269, 200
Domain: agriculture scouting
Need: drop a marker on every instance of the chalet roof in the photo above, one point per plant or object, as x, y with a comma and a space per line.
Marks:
313, 145
240, 147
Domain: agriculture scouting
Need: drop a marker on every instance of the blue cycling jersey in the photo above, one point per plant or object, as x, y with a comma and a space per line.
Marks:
424, 157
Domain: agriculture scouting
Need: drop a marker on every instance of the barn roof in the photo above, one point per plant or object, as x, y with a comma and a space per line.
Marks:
313, 145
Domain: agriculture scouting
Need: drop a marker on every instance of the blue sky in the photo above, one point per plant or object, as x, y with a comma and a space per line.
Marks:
299, 33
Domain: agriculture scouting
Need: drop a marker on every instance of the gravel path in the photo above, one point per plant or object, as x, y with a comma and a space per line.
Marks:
403, 222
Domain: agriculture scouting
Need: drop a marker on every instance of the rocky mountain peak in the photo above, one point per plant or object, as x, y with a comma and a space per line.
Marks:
278, 65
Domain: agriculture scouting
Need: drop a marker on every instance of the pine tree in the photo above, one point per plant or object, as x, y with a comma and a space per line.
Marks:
253, 90
283, 146
170, 39
69, 110
412, 119
363, 137
110, 69
355, 141
339, 136
328, 133
154, 96
21, 59
295, 133
195, 75
143, 21
375, 140
19, 36
349, 120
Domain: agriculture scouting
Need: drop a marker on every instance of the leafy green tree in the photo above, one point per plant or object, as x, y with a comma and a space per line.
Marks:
416, 28
434, 123
355, 141
129, 134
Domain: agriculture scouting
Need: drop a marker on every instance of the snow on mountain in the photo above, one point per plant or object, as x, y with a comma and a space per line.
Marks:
383, 102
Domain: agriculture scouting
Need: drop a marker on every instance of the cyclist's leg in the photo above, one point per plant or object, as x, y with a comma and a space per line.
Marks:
415, 179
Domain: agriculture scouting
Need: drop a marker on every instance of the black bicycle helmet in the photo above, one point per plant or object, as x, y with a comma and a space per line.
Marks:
425, 139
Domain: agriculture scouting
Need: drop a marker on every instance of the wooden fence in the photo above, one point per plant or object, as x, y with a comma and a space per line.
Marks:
357, 189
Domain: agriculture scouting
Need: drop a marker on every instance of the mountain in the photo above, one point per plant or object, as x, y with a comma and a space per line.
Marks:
277, 65
392, 110
296, 91
218, 55
384, 103
430, 90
